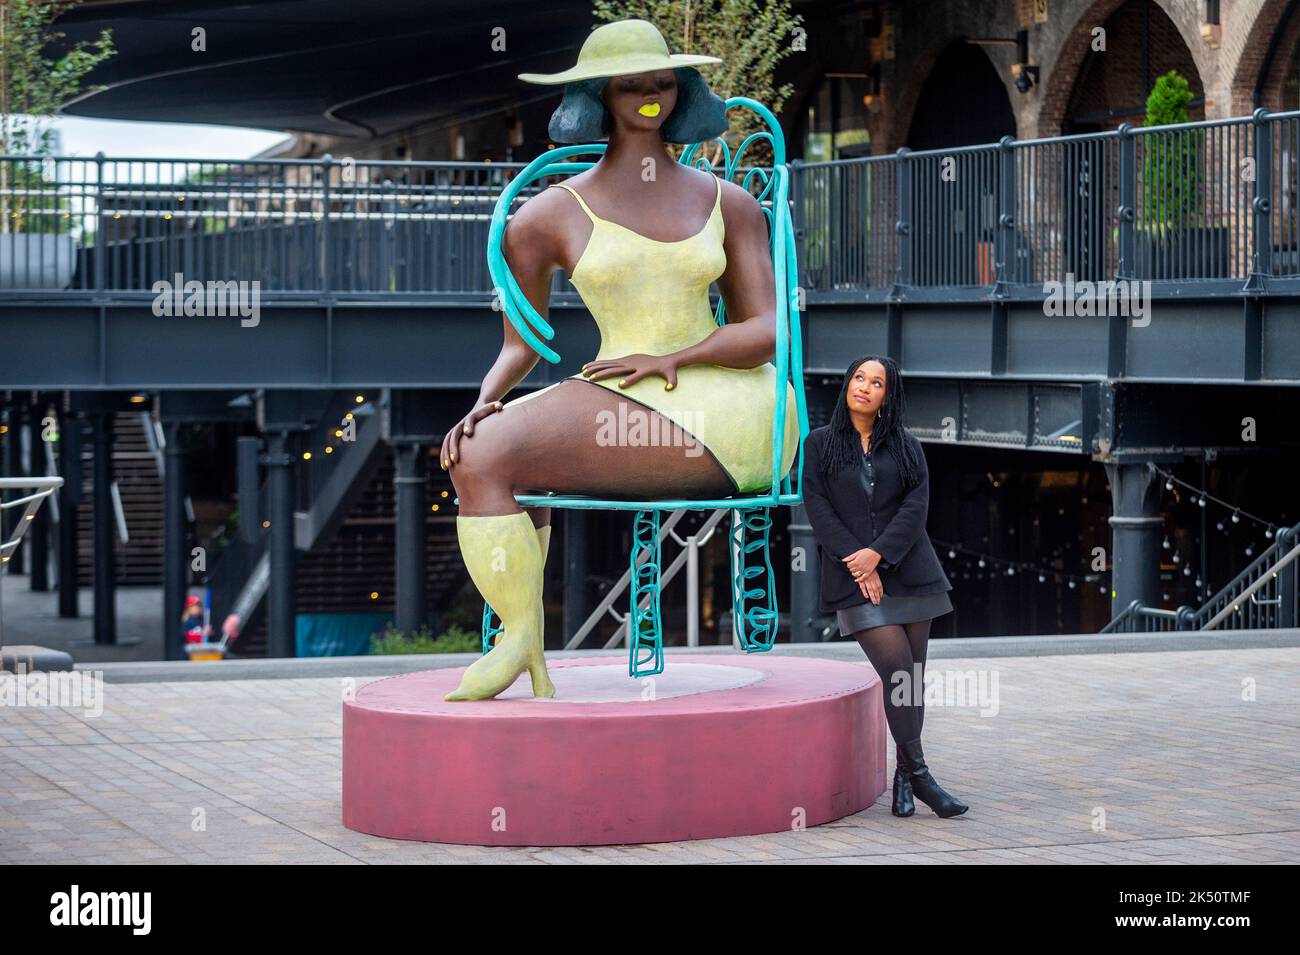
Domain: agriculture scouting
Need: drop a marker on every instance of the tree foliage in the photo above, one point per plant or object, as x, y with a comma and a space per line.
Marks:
750, 37
33, 87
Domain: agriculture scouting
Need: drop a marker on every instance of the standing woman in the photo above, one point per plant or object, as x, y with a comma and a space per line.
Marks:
867, 493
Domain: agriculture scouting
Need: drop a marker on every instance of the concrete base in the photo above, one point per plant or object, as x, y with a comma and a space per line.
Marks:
728, 746
30, 659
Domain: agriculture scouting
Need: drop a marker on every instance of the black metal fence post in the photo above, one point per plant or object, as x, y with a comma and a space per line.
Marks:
903, 225
326, 259
101, 246
1004, 270
1262, 203
1126, 268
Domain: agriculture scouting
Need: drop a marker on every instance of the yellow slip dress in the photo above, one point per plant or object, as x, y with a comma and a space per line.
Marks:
652, 297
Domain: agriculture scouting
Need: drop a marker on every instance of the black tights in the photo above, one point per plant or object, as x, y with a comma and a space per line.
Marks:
893, 650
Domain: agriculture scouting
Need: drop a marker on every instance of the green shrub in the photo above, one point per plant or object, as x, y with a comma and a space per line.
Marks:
1169, 165
454, 640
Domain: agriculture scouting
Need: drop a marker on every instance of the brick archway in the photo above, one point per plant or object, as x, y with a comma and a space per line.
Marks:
910, 92
1253, 59
1068, 59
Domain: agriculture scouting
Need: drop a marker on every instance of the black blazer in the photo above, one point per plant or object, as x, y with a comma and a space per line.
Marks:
890, 522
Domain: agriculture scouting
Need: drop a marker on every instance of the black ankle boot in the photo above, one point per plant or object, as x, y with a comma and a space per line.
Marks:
903, 804
923, 784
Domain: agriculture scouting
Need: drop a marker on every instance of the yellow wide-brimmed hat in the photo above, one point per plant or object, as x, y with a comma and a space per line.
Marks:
619, 49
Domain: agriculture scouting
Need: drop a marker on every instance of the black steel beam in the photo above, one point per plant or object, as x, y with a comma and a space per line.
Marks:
206, 407
39, 534
175, 557
577, 603
440, 343
411, 478
70, 496
281, 617
248, 450
105, 626
422, 415
14, 467
1135, 536
804, 571
1161, 418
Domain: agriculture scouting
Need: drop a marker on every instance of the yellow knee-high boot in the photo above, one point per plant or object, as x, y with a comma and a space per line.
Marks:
544, 539
503, 555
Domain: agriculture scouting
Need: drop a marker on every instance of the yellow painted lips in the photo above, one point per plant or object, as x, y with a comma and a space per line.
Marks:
649, 109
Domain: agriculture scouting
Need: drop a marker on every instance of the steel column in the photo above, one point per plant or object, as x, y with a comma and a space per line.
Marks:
175, 558
102, 508
576, 568
410, 481
805, 590
38, 537
70, 428
247, 451
13, 467
1135, 535
280, 594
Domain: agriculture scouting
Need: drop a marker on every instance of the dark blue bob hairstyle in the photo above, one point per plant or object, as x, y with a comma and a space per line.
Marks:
700, 114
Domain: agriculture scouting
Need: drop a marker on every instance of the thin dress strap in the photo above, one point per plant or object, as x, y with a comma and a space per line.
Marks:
582, 202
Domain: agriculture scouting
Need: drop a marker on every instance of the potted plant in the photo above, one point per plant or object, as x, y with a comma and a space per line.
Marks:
37, 243
1175, 240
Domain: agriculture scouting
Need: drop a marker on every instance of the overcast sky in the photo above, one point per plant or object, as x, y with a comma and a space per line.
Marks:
85, 137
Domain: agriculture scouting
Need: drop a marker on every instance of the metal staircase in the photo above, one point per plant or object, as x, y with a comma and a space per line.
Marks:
137, 504
330, 484
1261, 597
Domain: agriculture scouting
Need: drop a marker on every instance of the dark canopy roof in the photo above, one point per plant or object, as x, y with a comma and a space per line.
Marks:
341, 67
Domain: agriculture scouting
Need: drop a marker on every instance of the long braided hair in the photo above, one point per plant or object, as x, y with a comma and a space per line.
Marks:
843, 446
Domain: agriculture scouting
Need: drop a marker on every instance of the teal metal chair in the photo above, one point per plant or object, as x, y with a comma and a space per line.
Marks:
753, 590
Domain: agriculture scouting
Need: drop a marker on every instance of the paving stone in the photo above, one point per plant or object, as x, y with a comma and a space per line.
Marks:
1159, 745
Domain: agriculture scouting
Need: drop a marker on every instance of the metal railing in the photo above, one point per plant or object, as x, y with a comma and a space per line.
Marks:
1204, 202
42, 487
1213, 201
1265, 595
297, 227
1197, 202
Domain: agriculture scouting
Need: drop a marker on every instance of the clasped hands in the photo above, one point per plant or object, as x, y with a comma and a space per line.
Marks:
864, 566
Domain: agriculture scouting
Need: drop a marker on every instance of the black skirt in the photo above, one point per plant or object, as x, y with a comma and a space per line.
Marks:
892, 611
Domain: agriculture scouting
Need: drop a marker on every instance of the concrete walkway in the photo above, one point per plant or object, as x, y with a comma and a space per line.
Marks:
1173, 756
32, 617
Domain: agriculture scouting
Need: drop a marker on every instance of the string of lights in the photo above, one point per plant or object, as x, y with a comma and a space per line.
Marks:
1010, 568
1200, 496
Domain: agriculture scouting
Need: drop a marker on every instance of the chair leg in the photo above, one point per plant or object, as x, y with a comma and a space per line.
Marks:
490, 631
754, 607
645, 632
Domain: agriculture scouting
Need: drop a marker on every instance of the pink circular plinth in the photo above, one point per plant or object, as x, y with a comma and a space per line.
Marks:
716, 745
